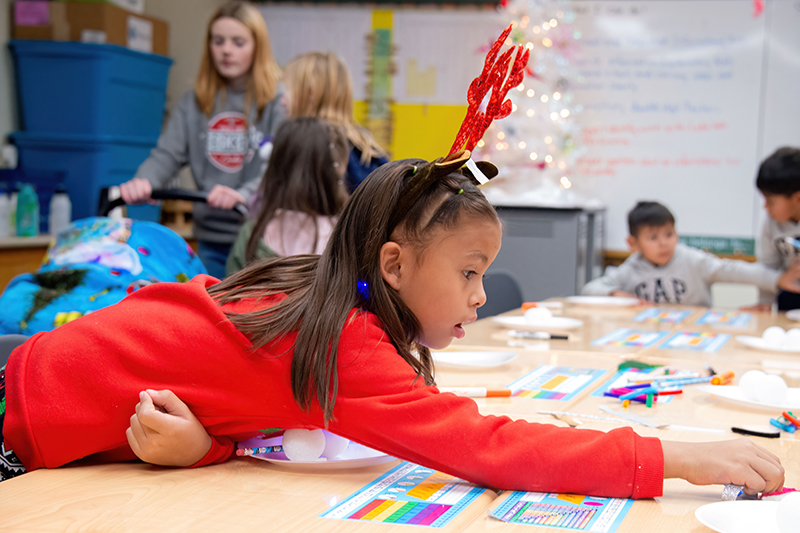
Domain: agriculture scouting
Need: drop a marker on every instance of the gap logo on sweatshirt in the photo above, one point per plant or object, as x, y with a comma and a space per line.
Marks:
788, 246
657, 290
228, 145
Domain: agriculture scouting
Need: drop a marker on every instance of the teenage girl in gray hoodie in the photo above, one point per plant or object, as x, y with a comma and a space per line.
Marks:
217, 129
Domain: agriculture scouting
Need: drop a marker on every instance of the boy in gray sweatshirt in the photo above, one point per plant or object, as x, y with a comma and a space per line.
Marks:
779, 181
662, 271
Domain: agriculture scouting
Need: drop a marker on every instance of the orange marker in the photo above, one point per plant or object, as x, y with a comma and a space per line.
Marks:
477, 392
722, 379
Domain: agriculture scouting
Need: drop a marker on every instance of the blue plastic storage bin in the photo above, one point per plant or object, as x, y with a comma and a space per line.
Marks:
89, 164
89, 89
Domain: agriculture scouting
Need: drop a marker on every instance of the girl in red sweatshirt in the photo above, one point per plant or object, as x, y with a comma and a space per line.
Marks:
339, 341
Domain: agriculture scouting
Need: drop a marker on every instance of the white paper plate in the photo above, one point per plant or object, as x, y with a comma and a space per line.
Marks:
793, 314
472, 359
355, 456
733, 394
760, 344
603, 300
743, 516
545, 324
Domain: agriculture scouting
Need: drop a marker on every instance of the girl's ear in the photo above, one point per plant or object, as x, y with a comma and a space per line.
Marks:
390, 259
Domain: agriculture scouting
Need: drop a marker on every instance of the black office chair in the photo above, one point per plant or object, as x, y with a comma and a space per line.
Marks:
7, 345
503, 293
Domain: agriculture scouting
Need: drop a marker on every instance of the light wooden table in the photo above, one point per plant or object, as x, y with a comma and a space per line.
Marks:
246, 493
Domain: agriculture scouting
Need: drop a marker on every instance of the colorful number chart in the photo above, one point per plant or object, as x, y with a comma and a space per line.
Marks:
630, 337
408, 494
550, 382
695, 341
660, 314
564, 511
731, 319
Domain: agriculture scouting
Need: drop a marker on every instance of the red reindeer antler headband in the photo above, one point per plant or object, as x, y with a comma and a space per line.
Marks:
492, 78
474, 126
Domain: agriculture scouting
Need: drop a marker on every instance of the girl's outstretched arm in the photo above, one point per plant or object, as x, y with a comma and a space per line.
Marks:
164, 431
739, 461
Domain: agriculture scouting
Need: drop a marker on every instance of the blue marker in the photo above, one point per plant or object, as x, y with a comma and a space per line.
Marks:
687, 381
789, 428
638, 392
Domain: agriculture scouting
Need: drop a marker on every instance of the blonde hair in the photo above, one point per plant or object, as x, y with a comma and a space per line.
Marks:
319, 85
264, 72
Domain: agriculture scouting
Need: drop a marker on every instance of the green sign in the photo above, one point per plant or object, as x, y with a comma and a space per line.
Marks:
721, 245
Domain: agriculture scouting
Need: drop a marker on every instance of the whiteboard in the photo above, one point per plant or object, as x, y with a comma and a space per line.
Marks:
781, 103
297, 29
681, 98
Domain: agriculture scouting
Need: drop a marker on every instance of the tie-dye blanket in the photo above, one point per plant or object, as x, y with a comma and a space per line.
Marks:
94, 263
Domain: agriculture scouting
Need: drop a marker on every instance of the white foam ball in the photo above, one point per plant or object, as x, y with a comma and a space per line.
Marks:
536, 314
750, 383
792, 338
303, 444
334, 445
774, 335
772, 390
788, 514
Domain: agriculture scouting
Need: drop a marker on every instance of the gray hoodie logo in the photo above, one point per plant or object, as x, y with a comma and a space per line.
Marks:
227, 143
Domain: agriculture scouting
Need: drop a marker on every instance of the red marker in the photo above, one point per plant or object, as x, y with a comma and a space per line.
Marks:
788, 415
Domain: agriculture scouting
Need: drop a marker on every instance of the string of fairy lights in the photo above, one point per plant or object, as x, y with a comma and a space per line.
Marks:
539, 138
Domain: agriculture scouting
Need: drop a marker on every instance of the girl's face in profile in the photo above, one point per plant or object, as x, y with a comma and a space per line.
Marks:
443, 285
232, 48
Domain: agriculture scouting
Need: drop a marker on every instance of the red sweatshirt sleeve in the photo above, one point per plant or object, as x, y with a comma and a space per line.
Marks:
221, 449
380, 405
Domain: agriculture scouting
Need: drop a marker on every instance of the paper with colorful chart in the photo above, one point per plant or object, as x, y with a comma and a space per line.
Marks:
630, 337
563, 511
662, 315
550, 382
695, 341
730, 319
620, 379
408, 494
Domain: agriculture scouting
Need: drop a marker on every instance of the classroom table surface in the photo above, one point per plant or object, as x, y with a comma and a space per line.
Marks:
247, 493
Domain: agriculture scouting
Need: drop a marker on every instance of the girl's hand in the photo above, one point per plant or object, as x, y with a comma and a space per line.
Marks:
136, 191
739, 461
165, 432
223, 197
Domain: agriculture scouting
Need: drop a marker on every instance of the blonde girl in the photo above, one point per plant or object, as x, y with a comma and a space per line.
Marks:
319, 85
217, 129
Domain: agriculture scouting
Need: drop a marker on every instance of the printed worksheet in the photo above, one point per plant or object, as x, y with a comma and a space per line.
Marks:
550, 382
408, 494
563, 511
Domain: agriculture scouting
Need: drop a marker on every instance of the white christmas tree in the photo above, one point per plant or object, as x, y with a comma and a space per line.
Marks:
535, 147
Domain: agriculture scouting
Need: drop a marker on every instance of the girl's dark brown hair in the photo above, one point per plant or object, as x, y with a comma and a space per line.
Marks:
305, 174
322, 290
